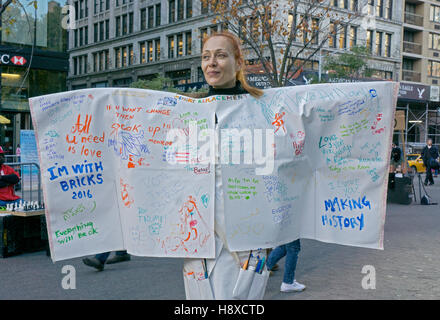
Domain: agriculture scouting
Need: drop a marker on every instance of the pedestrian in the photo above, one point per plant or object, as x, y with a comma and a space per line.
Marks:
223, 68
290, 251
8, 178
18, 152
430, 160
396, 157
99, 260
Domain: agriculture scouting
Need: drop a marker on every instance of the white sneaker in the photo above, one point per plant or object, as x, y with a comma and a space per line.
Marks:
295, 286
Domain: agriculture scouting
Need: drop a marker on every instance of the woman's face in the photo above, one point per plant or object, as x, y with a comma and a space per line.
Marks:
218, 63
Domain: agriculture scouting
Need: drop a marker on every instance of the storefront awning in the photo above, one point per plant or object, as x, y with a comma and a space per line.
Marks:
4, 120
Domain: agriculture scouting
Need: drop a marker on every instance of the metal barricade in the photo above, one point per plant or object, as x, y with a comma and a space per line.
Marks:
11, 158
27, 194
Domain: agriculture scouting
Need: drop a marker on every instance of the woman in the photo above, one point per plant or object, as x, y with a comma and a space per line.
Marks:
223, 67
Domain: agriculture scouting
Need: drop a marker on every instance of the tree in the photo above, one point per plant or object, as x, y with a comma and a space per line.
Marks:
349, 65
8, 19
282, 35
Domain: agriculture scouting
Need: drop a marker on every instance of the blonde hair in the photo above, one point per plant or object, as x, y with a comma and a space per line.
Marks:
236, 46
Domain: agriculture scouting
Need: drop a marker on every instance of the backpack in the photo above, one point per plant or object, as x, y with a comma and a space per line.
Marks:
426, 200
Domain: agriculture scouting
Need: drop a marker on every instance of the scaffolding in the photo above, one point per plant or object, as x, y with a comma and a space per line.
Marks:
422, 122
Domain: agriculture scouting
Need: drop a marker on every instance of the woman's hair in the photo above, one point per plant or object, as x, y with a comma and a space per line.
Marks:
236, 46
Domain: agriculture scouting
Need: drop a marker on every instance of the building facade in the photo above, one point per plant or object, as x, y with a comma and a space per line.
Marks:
33, 62
420, 79
117, 42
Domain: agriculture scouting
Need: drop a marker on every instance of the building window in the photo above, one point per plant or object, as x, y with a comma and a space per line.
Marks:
75, 64
124, 56
370, 4
433, 68
171, 11
142, 52
150, 17
117, 57
179, 45
95, 62
378, 43
205, 7
124, 25
143, 19
102, 84
107, 29
434, 41
180, 9
354, 5
179, 77
387, 45
157, 50
121, 2
75, 38
81, 9
381, 74
130, 22
150, 51
343, 37
81, 36
353, 36
388, 9
379, 8
125, 82
434, 13
315, 29
188, 43
130, 55
343, 4
407, 64
95, 32
203, 35
369, 41
101, 31
118, 26
171, 47
76, 10
332, 39
157, 15
100, 60
291, 21
189, 9
95, 7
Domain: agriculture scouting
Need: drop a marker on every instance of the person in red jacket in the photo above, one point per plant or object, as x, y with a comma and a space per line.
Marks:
8, 178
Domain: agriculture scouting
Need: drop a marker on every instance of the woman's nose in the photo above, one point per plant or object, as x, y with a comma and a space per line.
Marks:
213, 60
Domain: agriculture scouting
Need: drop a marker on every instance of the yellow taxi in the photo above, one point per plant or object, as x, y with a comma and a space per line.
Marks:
415, 162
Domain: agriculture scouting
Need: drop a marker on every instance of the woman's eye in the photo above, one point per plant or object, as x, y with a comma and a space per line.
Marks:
205, 57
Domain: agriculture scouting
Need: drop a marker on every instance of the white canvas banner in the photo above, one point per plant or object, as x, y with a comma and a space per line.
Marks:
135, 169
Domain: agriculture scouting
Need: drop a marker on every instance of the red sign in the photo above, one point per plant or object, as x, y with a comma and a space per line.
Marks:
17, 60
